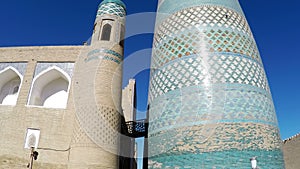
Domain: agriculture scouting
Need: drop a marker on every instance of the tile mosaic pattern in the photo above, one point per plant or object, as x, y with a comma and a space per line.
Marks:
108, 51
210, 104
105, 54
212, 16
198, 70
171, 7
238, 160
216, 137
19, 66
65, 66
214, 104
219, 30
112, 9
217, 41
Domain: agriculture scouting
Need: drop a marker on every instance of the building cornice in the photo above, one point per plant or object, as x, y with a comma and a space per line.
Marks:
291, 138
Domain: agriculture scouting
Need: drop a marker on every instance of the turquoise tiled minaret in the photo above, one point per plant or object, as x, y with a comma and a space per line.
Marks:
98, 92
112, 7
210, 104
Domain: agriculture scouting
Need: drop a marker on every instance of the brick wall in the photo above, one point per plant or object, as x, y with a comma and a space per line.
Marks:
56, 125
291, 150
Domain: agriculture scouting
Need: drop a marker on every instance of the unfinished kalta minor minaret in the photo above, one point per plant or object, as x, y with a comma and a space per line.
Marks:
209, 99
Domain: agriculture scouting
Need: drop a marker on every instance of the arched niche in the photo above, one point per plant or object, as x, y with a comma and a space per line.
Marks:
50, 89
106, 32
10, 81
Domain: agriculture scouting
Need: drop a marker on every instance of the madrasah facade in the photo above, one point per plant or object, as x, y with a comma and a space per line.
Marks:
66, 101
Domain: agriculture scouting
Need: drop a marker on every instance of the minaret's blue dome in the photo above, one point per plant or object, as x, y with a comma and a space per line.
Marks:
119, 2
112, 7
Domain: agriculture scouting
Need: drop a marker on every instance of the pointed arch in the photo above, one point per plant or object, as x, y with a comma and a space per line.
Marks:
106, 32
50, 88
10, 82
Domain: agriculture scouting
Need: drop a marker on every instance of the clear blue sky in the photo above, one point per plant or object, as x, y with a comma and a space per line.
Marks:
274, 24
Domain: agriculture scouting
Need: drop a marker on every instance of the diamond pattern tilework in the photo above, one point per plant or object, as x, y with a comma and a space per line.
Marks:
111, 8
101, 124
203, 16
195, 70
209, 99
169, 7
200, 41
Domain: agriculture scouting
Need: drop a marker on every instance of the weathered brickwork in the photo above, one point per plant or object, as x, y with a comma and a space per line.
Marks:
56, 125
291, 151
84, 134
63, 141
10, 162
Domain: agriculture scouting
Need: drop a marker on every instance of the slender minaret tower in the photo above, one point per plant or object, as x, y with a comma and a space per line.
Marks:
97, 92
210, 103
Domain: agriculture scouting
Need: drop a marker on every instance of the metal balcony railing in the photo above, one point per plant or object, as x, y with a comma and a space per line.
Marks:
136, 128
